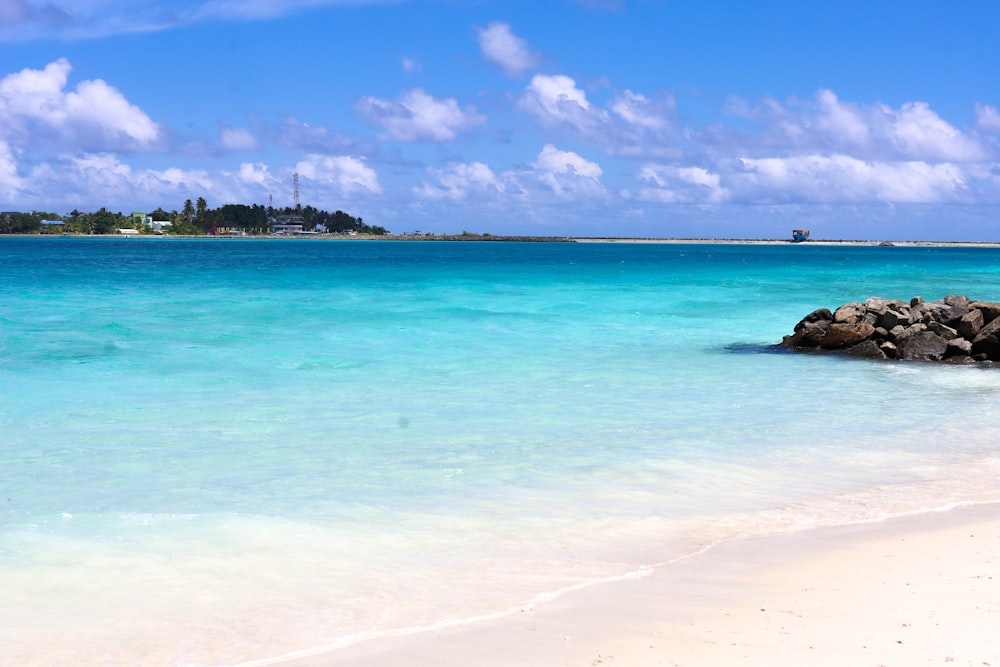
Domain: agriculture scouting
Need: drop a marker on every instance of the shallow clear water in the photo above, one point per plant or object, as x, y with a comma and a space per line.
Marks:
217, 452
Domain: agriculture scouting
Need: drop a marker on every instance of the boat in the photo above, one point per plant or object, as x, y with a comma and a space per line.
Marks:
800, 235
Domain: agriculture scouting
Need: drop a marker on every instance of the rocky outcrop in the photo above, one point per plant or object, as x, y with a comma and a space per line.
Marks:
954, 329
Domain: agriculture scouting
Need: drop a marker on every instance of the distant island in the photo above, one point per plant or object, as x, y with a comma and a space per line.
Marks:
194, 219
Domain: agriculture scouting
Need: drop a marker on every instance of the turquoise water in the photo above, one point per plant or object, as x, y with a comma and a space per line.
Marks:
224, 452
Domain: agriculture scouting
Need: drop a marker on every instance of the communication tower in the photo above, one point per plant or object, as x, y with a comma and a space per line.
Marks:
295, 192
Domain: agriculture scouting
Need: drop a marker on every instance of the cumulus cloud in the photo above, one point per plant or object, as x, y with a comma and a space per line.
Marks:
256, 173
569, 175
635, 125
844, 179
100, 179
640, 111
237, 139
556, 99
503, 48
94, 116
348, 175
827, 124
987, 118
418, 116
669, 184
458, 181
10, 183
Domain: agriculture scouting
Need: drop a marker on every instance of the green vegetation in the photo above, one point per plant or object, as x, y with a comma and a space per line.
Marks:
194, 219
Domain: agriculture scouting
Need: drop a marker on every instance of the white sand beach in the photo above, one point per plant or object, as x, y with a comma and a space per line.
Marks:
922, 589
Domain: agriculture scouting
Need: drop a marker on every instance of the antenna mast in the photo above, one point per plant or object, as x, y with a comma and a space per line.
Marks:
295, 194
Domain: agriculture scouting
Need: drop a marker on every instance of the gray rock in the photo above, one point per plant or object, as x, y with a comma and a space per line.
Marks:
959, 346
808, 336
953, 329
942, 330
990, 329
840, 334
888, 349
893, 318
987, 341
956, 300
911, 330
897, 331
925, 345
970, 324
816, 316
867, 349
990, 309
877, 305
849, 313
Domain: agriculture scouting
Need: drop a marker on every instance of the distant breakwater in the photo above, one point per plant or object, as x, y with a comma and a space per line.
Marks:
954, 329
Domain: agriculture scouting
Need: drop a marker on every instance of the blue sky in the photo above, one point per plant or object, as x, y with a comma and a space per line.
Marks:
859, 120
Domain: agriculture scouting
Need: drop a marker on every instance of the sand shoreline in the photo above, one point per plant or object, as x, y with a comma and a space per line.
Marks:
917, 589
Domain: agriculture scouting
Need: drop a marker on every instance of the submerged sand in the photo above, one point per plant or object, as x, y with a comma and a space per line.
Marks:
922, 589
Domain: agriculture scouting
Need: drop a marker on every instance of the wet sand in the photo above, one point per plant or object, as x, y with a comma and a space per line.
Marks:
922, 589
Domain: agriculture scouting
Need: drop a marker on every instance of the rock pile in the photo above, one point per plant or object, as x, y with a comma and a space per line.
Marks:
954, 329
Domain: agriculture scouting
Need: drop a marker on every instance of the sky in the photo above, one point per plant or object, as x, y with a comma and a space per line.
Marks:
874, 119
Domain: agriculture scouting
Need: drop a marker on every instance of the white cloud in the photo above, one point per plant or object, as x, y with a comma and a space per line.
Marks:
569, 175
553, 160
640, 111
35, 104
459, 181
349, 175
237, 139
843, 179
987, 118
555, 99
825, 124
502, 47
256, 174
418, 116
636, 124
10, 183
837, 119
921, 134
668, 184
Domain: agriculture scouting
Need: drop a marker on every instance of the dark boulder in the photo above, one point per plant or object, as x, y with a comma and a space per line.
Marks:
954, 329
840, 335
970, 324
868, 349
987, 341
989, 309
849, 313
925, 345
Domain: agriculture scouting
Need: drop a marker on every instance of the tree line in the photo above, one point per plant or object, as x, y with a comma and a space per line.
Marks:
194, 219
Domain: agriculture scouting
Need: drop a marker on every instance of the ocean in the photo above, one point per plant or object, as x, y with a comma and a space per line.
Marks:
234, 451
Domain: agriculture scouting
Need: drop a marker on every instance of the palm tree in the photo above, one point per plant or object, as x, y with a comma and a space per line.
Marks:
188, 211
